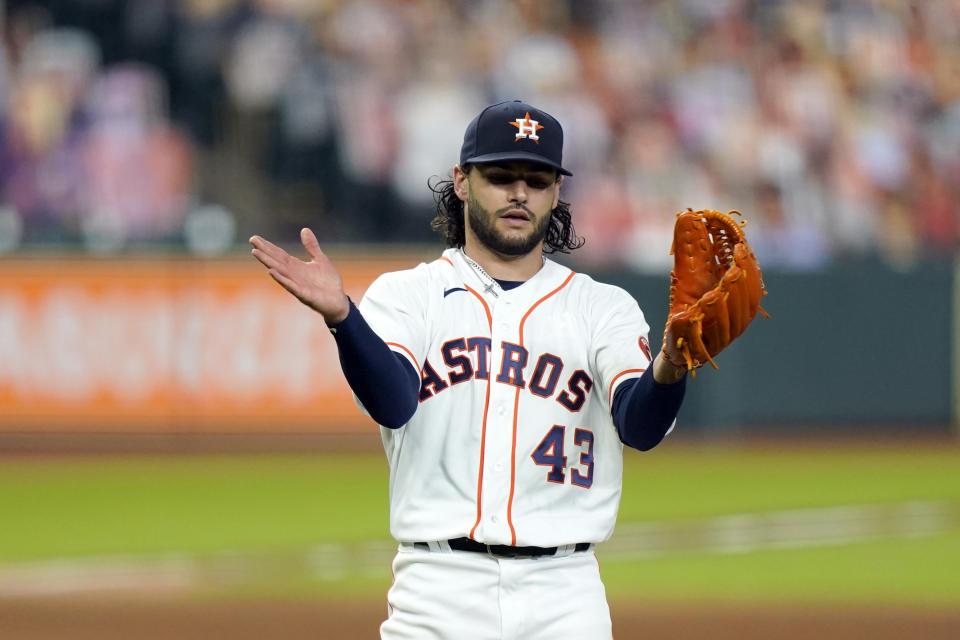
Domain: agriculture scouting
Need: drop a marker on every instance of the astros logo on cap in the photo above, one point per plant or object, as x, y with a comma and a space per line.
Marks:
527, 128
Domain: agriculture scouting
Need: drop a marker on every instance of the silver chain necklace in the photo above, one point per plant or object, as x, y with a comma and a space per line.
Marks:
490, 285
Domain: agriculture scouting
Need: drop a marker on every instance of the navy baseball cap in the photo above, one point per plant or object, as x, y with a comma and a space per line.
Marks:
513, 130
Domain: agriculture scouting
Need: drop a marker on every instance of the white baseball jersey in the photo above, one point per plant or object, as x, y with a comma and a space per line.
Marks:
513, 441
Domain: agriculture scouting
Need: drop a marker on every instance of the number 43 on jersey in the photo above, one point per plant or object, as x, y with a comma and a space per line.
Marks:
550, 453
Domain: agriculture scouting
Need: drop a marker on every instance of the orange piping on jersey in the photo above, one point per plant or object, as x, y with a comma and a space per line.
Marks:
445, 259
516, 405
484, 303
394, 344
483, 443
613, 382
513, 465
483, 429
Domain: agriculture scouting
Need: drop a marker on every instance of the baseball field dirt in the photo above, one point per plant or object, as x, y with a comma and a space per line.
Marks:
147, 618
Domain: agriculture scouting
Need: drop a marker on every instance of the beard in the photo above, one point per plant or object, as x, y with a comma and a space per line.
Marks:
483, 224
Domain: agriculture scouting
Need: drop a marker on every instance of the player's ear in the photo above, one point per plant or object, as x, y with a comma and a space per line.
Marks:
556, 193
460, 182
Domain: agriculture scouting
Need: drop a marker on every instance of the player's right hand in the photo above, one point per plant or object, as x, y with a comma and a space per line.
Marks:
316, 283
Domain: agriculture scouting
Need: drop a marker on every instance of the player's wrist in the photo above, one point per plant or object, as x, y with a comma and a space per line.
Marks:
337, 316
665, 371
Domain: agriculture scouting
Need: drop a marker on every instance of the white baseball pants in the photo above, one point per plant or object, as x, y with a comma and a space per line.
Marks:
466, 595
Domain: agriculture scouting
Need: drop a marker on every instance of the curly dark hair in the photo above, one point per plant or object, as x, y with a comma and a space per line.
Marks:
449, 222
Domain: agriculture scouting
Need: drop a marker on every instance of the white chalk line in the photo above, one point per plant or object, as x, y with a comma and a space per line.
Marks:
723, 534
790, 529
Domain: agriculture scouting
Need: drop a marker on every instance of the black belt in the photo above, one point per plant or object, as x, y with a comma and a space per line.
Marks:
504, 550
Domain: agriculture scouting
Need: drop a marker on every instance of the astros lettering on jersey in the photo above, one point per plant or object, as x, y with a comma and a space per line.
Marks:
513, 442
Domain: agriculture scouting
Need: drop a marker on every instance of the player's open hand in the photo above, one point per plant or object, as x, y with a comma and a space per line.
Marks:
316, 283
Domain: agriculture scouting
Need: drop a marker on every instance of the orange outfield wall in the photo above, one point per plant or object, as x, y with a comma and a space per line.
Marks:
170, 345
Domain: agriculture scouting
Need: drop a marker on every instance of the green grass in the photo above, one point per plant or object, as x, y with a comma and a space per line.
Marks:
912, 571
272, 510
193, 504
679, 482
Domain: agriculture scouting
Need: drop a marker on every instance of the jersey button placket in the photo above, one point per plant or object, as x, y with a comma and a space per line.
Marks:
504, 314
499, 436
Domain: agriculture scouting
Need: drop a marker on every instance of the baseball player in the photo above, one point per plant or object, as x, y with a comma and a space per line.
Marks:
505, 386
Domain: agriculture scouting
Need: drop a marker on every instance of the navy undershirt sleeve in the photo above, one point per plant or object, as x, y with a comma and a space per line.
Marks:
384, 381
644, 409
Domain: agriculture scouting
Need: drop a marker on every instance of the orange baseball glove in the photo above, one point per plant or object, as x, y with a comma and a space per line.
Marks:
715, 287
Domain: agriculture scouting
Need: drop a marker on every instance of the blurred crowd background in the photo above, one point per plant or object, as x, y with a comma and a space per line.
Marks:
188, 125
